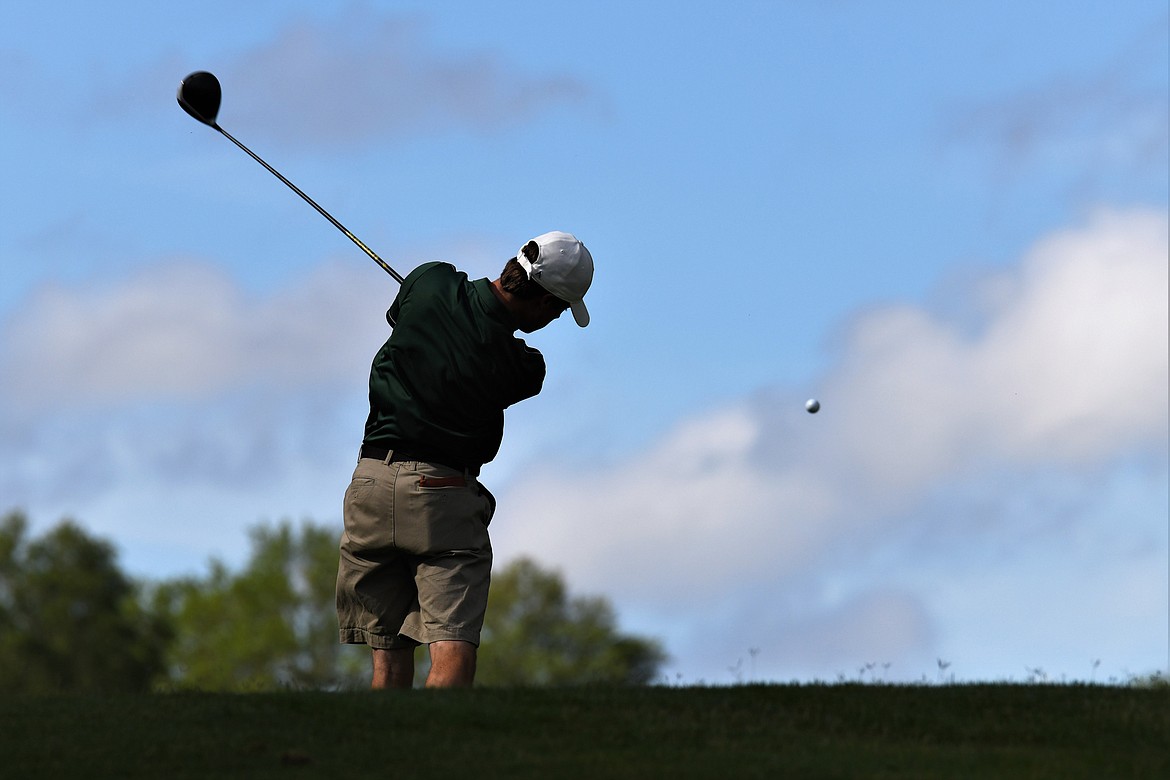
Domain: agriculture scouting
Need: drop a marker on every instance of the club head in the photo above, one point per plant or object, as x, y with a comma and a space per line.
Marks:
199, 95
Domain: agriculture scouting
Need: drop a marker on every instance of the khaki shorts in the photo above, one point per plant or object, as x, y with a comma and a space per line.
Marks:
415, 559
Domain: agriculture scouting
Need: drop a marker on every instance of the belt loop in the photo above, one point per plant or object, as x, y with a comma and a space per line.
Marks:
389, 457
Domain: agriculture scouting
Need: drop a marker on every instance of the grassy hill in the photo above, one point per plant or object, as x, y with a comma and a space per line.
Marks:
774, 731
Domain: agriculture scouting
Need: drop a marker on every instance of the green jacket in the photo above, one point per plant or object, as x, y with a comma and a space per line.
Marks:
441, 382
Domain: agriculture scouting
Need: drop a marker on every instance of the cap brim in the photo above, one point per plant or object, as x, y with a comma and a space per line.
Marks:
580, 313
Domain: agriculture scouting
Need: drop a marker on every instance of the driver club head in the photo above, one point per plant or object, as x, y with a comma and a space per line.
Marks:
199, 95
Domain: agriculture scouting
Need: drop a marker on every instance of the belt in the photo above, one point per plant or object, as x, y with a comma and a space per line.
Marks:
380, 453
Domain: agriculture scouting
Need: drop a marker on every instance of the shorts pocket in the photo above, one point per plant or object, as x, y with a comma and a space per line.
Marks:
440, 513
360, 487
429, 481
367, 514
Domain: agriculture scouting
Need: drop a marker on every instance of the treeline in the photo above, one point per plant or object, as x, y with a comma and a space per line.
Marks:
72, 621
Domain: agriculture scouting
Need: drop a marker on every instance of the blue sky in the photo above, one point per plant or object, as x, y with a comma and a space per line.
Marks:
946, 221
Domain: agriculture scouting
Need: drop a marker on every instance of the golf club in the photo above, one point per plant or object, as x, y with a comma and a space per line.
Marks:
200, 95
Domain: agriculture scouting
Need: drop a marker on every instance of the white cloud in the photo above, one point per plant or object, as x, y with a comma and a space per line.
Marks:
156, 392
1069, 366
185, 331
1066, 374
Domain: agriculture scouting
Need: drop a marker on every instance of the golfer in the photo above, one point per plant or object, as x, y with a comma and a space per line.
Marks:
415, 558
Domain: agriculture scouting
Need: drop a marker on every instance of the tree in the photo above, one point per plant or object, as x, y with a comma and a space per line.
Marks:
70, 620
271, 626
535, 634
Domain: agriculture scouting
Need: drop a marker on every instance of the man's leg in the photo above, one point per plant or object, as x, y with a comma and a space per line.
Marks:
393, 668
452, 664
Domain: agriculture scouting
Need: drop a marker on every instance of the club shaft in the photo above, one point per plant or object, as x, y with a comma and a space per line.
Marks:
385, 266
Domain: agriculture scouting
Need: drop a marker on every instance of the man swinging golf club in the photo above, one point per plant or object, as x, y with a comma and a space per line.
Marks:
415, 555
415, 558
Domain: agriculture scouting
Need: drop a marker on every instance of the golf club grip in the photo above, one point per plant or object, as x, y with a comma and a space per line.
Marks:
385, 266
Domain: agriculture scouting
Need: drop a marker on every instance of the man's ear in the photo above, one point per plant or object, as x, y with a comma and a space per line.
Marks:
532, 251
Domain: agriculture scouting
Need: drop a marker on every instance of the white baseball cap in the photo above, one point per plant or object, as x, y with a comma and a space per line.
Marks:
564, 267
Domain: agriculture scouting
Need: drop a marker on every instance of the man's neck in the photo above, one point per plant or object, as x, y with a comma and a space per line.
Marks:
510, 302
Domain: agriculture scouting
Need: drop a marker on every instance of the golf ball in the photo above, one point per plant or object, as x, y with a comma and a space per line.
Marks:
812, 405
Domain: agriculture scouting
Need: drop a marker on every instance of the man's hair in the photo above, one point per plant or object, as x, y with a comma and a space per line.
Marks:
514, 279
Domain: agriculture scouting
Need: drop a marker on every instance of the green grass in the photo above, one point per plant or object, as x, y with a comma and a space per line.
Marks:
817, 731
